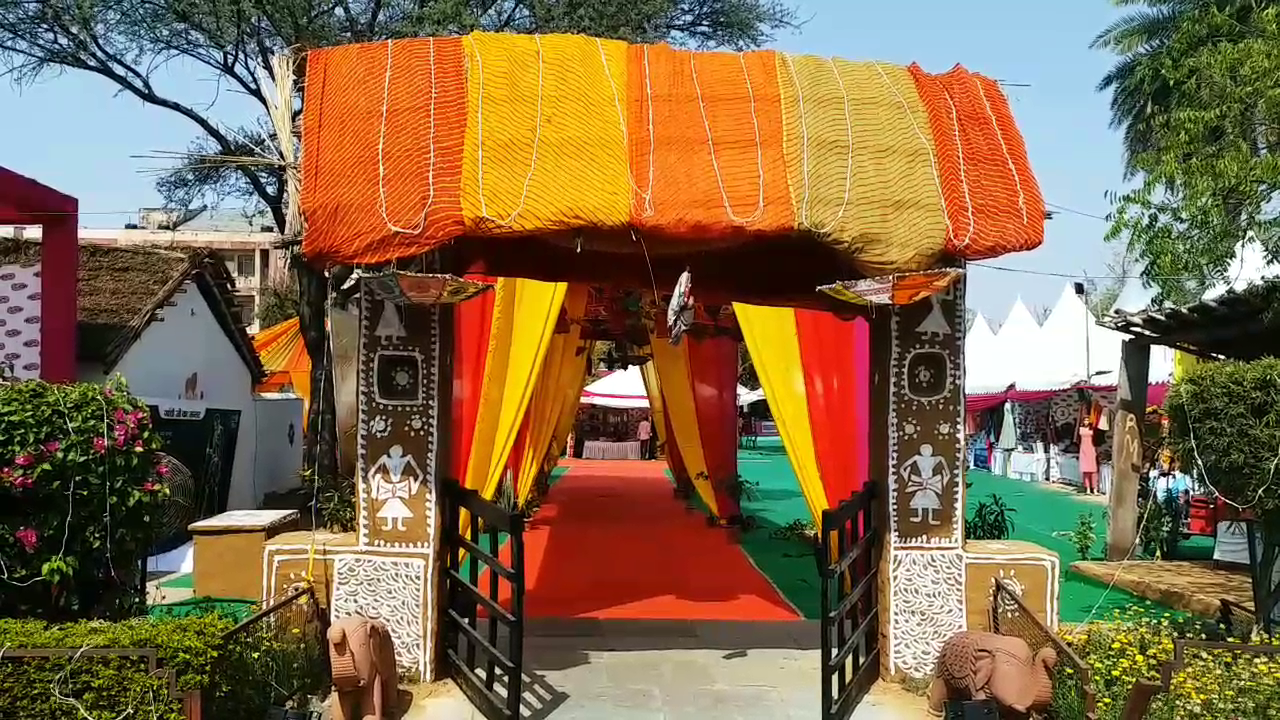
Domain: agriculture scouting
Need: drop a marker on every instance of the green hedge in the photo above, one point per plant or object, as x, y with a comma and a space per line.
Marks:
103, 687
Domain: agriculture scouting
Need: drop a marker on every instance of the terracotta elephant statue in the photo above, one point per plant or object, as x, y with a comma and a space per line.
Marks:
981, 666
363, 661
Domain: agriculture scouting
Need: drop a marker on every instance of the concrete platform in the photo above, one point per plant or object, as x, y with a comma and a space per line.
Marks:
1190, 586
641, 670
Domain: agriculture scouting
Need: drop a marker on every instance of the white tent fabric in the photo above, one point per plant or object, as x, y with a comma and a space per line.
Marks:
1073, 349
979, 359
1249, 267
1014, 350
621, 389
625, 389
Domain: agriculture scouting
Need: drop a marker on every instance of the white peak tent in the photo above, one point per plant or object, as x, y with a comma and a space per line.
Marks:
1014, 350
625, 389
620, 389
1249, 267
979, 362
1073, 349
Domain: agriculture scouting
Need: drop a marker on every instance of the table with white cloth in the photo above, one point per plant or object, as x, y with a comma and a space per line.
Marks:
608, 450
1028, 466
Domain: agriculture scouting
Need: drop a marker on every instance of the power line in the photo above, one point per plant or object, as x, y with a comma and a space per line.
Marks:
1073, 211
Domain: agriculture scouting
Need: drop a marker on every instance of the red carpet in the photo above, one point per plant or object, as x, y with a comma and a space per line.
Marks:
611, 542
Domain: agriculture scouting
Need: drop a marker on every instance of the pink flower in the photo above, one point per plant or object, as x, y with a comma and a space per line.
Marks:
137, 417
100, 445
23, 460
162, 470
119, 415
22, 482
137, 446
121, 430
151, 487
119, 442
52, 446
6, 472
108, 391
29, 538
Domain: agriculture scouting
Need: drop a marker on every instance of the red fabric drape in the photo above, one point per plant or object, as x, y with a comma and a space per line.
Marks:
835, 377
472, 320
713, 370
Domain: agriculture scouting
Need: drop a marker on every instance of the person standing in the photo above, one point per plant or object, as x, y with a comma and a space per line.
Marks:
1088, 458
645, 434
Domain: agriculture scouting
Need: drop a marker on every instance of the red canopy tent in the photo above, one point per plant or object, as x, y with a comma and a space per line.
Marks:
24, 201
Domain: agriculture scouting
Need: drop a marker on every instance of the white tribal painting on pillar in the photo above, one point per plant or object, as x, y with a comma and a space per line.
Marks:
927, 477
925, 406
394, 479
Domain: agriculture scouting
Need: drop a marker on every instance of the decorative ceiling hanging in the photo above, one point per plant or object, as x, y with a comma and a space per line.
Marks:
680, 310
896, 289
424, 289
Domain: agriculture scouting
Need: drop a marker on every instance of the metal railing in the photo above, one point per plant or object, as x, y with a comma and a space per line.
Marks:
1073, 694
275, 659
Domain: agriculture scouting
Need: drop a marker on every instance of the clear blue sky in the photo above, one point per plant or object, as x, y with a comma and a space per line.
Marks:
74, 133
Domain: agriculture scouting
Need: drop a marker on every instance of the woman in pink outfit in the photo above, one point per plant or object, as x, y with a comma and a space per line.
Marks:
1088, 458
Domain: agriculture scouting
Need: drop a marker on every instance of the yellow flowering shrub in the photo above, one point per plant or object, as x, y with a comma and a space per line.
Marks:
1135, 644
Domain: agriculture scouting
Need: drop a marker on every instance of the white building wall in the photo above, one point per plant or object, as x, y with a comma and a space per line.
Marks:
186, 340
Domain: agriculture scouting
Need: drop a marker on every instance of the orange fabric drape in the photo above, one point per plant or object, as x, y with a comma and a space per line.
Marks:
705, 133
383, 136
992, 200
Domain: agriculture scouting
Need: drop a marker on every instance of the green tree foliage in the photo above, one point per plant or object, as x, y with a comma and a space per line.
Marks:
278, 301
1212, 180
133, 43
1144, 40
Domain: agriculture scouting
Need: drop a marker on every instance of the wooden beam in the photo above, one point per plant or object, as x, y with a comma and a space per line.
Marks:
1126, 453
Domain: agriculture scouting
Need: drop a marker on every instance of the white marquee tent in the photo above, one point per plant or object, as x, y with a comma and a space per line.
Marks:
979, 359
625, 389
1073, 349
1014, 352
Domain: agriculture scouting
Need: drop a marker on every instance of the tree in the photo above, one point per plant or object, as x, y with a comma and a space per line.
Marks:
1141, 94
278, 301
1103, 296
1040, 313
1214, 180
129, 42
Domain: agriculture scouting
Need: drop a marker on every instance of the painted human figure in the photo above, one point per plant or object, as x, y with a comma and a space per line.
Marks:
390, 327
935, 325
392, 486
926, 476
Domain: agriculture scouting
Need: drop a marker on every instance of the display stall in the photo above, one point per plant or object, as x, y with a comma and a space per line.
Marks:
609, 415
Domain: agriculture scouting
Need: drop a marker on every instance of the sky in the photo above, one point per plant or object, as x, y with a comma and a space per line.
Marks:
75, 133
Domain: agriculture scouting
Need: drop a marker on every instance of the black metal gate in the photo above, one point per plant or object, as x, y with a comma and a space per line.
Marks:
848, 561
482, 624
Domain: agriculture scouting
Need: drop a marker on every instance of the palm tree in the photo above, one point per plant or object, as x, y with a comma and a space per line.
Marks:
1140, 93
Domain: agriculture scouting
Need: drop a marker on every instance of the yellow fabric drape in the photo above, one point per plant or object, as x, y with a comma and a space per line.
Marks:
524, 320
569, 408
844, 122
672, 363
1182, 364
774, 344
653, 388
562, 368
545, 144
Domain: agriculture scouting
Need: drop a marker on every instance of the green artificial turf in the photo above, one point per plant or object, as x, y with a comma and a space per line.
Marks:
1042, 515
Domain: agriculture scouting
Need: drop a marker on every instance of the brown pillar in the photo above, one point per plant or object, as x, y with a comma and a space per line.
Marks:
923, 565
391, 571
1126, 453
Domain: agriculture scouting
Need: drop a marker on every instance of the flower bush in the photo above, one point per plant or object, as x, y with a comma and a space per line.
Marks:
79, 491
1135, 645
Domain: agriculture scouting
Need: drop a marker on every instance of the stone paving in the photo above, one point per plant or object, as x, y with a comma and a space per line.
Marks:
638, 670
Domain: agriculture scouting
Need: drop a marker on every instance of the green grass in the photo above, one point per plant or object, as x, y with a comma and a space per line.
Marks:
1043, 516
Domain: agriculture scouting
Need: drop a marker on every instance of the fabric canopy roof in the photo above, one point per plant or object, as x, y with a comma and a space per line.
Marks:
532, 139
